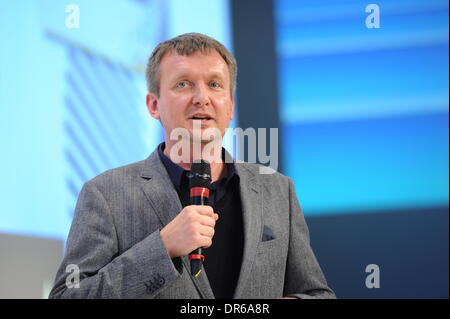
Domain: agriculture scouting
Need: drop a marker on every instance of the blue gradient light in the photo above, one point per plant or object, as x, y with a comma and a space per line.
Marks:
72, 100
364, 111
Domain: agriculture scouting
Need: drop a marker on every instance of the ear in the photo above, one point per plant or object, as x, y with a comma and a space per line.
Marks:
152, 105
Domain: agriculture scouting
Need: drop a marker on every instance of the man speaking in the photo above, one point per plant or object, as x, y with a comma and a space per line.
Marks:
136, 233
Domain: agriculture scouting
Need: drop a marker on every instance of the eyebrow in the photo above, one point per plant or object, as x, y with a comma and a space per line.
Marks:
210, 75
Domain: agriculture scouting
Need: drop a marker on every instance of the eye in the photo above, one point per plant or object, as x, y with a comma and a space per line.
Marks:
214, 84
181, 84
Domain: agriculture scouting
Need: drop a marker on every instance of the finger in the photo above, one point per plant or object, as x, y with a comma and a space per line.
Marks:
204, 210
206, 231
206, 242
207, 221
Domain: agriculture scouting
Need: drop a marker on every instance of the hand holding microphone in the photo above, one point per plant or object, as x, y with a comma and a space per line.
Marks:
192, 228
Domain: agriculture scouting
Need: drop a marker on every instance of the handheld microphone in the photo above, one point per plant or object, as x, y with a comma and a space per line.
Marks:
199, 184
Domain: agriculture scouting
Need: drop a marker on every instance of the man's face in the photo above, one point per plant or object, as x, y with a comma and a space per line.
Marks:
192, 88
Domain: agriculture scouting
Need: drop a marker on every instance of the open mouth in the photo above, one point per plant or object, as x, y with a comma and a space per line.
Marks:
201, 118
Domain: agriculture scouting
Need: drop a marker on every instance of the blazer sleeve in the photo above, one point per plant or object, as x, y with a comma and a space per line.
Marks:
92, 247
304, 278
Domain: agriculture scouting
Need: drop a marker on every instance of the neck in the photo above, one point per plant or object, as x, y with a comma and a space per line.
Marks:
218, 167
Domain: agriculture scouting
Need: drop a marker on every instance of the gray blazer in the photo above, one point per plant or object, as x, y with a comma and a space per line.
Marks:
114, 240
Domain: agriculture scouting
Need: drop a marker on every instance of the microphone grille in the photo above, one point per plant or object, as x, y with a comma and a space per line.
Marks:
200, 174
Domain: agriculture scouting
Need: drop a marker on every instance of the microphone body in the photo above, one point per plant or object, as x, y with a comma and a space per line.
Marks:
199, 183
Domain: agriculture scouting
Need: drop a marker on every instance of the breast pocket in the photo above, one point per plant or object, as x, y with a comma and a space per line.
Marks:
268, 246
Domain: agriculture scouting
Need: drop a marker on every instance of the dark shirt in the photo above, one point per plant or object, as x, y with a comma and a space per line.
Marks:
223, 259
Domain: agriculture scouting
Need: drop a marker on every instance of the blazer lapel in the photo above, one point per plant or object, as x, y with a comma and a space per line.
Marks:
158, 189
164, 200
251, 199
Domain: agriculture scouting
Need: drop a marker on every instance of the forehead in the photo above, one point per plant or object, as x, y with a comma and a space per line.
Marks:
210, 63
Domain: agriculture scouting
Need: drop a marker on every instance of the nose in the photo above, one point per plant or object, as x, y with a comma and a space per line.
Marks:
201, 96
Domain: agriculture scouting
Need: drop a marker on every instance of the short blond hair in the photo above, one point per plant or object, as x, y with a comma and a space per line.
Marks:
187, 44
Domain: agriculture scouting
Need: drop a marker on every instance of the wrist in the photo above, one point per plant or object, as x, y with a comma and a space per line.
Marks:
165, 241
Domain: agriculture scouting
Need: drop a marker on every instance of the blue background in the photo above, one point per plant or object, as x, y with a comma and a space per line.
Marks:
72, 100
364, 111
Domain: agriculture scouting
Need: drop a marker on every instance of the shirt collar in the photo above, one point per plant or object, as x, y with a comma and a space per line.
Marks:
176, 172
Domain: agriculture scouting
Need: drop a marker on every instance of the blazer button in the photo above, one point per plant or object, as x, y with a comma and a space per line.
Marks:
154, 284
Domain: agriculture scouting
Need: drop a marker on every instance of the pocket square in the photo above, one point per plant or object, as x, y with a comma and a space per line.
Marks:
267, 234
